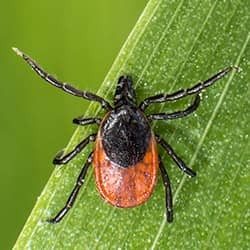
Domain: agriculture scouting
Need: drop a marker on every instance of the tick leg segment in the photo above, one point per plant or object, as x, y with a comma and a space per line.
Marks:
86, 121
64, 86
169, 200
58, 160
74, 193
178, 114
173, 155
185, 92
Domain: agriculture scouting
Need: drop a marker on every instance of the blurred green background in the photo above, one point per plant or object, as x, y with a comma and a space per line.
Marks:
76, 41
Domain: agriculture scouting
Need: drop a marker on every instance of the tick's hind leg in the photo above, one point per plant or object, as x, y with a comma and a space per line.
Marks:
169, 200
65, 159
175, 157
74, 193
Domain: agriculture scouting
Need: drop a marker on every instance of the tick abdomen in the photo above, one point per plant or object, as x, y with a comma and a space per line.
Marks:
126, 186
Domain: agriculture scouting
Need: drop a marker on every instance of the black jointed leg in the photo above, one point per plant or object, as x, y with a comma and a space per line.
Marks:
64, 86
178, 114
74, 193
87, 121
168, 192
176, 158
65, 159
185, 92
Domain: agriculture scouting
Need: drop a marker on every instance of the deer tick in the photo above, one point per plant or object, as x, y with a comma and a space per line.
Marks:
125, 156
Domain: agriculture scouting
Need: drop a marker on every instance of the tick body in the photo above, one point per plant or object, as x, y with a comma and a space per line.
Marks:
125, 156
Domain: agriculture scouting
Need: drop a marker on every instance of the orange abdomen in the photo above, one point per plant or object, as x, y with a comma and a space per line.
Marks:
130, 186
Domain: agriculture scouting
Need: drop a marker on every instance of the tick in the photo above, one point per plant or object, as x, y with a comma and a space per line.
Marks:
125, 157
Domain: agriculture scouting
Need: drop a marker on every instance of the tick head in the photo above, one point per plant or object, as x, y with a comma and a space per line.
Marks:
125, 93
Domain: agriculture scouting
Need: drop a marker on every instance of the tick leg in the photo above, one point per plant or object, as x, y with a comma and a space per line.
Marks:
178, 114
185, 92
64, 86
74, 193
58, 160
169, 200
173, 155
86, 121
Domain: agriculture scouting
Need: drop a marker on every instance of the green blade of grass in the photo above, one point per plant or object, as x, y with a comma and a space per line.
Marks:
173, 45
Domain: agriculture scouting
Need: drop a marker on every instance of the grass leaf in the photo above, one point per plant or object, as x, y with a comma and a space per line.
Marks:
173, 45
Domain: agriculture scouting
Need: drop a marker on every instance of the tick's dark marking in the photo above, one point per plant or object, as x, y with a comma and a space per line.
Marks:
122, 132
125, 157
